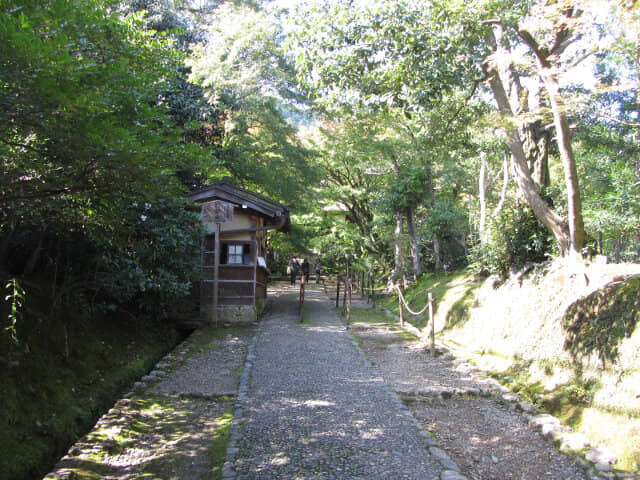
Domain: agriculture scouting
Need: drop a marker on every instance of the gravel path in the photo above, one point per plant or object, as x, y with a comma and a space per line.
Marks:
316, 409
317, 401
487, 430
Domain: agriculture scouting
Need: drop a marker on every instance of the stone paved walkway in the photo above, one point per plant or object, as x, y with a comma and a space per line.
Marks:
312, 407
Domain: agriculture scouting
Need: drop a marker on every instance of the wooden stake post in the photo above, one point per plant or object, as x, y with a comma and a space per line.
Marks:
302, 287
400, 308
433, 327
349, 288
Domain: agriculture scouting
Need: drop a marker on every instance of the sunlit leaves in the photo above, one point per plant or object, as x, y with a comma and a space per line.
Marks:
245, 75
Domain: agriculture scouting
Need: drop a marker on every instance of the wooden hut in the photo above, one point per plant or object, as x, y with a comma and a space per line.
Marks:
240, 219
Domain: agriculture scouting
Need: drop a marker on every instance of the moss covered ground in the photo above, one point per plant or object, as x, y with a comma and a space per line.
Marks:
59, 377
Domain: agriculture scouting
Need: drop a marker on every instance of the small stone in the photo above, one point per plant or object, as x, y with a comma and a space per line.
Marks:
451, 475
553, 430
528, 407
604, 467
544, 419
439, 453
446, 393
510, 397
573, 442
601, 458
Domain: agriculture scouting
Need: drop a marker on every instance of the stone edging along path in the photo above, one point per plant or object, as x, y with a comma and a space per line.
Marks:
450, 469
598, 463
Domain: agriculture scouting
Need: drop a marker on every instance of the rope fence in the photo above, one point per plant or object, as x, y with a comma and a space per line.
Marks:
402, 305
347, 281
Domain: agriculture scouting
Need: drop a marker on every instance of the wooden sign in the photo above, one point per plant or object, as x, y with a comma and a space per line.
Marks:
216, 212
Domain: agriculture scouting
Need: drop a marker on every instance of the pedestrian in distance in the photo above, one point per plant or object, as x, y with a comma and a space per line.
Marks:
305, 270
318, 269
294, 264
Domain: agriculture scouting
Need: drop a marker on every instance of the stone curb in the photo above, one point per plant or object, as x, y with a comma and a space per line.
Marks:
228, 468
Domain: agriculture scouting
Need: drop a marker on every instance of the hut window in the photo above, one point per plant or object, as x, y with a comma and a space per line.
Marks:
235, 254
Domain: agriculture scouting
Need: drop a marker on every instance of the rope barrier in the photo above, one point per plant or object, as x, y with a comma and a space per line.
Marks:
407, 306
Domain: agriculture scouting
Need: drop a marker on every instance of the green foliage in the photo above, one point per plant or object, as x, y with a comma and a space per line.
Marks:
157, 262
90, 200
611, 196
15, 299
514, 239
80, 119
247, 79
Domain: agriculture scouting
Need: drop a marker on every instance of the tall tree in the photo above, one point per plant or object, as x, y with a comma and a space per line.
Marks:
409, 55
88, 150
247, 78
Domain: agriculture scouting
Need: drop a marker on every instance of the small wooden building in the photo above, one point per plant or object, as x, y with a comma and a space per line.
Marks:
242, 269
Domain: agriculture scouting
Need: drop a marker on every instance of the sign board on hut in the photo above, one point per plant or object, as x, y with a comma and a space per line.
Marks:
216, 212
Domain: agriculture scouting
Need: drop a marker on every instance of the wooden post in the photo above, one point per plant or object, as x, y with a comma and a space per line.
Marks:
373, 292
433, 327
362, 285
400, 308
338, 292
346, 287
216, 269
349, 288
302, 286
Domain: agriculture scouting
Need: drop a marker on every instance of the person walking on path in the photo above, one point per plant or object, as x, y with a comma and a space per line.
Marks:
294, 265
318, 269
305, 270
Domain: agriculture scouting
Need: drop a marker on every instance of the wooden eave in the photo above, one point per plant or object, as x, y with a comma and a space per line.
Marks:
229, 192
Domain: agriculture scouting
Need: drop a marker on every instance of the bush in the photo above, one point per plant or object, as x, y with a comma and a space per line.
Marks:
514, 238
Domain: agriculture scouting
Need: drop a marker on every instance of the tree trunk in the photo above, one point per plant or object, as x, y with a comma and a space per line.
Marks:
415, 249
398, 271
544, 60
482, 183
536, 147
563, 134
505, 185
543, 212
436, 240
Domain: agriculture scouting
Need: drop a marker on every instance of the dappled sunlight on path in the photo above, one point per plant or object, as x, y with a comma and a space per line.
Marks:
316, 409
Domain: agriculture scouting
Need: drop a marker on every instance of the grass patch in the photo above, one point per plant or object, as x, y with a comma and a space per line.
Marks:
377, 318
453, 295
219, 442
203, 337
618, 433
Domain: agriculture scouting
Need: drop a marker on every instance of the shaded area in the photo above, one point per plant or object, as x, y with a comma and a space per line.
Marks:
176, 422
598, 323
61, 376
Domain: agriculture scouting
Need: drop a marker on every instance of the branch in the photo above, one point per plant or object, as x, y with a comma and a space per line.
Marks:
9, 143
476, 84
